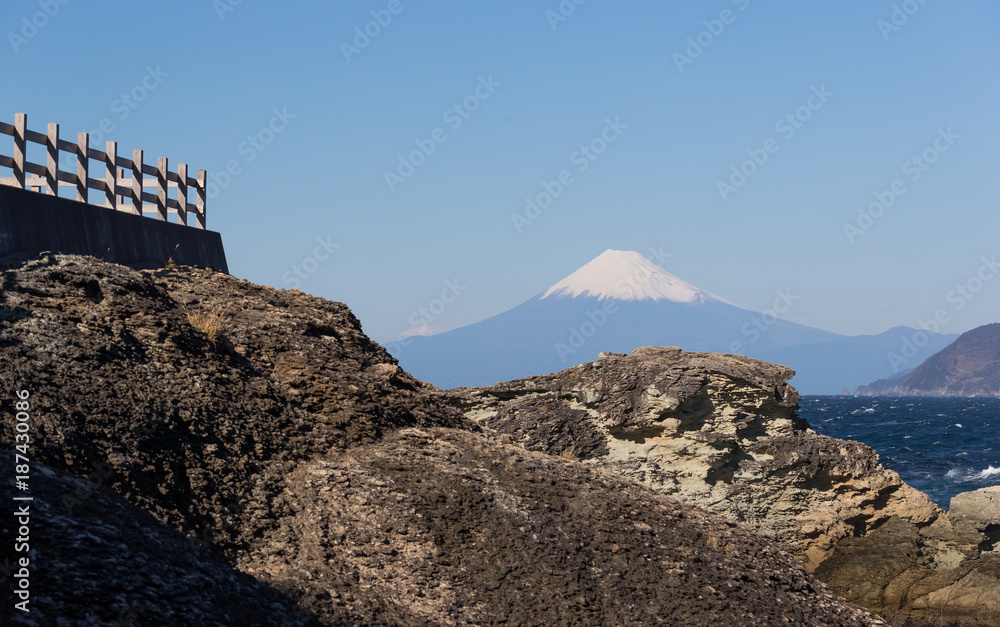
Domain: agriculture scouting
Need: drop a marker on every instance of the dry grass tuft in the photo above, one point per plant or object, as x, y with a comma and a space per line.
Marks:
571, 453
212, 324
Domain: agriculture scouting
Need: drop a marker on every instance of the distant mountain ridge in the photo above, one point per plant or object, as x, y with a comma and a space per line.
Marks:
970, 366
621, 301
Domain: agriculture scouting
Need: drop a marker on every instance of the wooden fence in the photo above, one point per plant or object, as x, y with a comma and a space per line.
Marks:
115, 186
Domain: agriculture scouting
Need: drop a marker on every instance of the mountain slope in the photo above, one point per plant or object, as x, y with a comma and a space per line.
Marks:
849, 362
621, 301
970, 366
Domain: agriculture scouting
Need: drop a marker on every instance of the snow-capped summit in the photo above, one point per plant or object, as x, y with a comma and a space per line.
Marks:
620, 301
627, 275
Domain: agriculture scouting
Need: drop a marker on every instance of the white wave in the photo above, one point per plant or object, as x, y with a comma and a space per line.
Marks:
958, 424
963, 474
989, 472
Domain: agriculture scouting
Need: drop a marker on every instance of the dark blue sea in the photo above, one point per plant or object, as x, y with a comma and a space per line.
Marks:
941, 446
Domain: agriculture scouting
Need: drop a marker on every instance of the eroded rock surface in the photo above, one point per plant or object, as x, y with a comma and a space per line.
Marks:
303, 468
721, 431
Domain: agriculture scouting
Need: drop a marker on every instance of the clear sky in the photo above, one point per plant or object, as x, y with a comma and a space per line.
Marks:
869, 84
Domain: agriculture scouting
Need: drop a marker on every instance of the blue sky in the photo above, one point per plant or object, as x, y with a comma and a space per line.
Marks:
221, 71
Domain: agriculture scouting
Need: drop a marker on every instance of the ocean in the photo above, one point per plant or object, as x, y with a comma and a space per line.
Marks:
941, 446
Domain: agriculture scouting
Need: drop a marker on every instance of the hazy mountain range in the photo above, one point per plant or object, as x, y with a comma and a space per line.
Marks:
970, 366
620, 301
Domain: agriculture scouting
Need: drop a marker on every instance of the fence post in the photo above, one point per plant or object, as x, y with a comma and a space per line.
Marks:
82, 166
111, 175
52, 160
202, 199
182, 193
162, 171
137, 182
20, 148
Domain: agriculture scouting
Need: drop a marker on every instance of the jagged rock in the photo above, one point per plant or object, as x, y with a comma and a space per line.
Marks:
978, 512
717, 430
106, 562
721, 431
265, 427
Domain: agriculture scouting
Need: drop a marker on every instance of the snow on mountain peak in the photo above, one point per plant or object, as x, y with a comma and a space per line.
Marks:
627, 275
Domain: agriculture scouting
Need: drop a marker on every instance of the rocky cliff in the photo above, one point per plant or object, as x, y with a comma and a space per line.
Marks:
206, 451
969, 366
721, 431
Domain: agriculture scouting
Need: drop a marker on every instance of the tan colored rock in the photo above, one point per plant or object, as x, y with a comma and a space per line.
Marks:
717, 430
978, 511
722, 431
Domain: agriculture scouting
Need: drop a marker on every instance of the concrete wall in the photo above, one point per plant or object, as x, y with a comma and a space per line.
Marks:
31, 223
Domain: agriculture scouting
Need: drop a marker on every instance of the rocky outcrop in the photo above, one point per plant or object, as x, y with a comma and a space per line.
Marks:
104, 561
198, 440
969, 366
950, 569
721, 431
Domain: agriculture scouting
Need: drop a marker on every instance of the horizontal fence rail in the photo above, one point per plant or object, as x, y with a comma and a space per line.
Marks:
113, 182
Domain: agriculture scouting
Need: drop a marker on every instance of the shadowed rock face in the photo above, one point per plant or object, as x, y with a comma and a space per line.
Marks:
304, 469
106, 562
721, 431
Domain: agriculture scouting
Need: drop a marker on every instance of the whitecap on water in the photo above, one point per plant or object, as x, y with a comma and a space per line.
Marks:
958, 424
989, 472
971, 475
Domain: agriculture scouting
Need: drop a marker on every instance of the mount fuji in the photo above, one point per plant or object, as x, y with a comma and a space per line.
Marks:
621, 301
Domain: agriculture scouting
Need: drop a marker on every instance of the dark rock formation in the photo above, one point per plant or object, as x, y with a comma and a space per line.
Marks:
102, 561
969, 366
314, 481
721, 431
